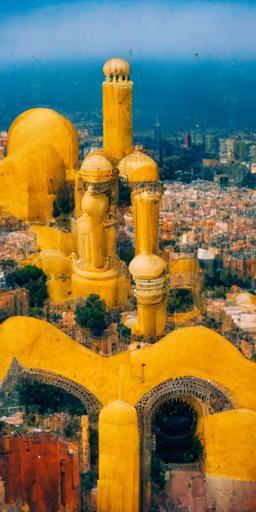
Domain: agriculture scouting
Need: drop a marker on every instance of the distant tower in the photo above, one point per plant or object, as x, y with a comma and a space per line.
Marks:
187, 140
117, 109
158, 141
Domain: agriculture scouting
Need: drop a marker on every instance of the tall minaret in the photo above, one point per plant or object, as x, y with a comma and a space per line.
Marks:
147, 268
117, 109
149, 271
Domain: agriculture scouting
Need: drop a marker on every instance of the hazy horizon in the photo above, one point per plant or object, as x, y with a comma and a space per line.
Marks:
193, 62
181, 94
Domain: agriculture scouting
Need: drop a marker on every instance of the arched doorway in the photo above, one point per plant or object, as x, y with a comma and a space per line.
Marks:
169, 417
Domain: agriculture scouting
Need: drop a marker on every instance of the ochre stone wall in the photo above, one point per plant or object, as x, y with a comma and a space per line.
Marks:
190, 351
52, 238
42, 470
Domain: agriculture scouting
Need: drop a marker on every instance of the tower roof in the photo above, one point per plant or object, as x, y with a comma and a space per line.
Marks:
116, 66
96, 168
118, 413
147, 266
138, 167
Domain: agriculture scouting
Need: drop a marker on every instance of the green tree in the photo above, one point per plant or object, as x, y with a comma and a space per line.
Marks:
34, 280
125, 251
47, 399
124, 194
64, 203
124, 332
93, 315
180, 300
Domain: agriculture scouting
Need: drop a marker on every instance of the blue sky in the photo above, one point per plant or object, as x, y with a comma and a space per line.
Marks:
65, 29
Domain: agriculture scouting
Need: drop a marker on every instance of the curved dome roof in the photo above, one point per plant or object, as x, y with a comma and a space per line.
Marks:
116, 66
147, 266
138, 167
118, 413
45, 126
96, 168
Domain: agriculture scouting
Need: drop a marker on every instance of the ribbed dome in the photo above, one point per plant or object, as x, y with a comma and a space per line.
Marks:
138, 167
96, 168
147, 266
116, 66
118, 413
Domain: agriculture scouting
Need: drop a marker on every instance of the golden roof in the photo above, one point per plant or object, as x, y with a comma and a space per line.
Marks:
118, 413
96, 168
147, 266
138, 167
44, 126
116, 66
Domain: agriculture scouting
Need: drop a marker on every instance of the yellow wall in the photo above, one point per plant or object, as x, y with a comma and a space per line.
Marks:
53, 238
230, 444
193, 351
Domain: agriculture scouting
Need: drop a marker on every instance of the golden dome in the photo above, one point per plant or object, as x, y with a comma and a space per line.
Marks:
147, 266
96, 168
44, 126
116, 66
138, 167
118, 413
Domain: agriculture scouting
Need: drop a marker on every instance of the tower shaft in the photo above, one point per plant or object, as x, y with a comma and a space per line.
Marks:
117, 118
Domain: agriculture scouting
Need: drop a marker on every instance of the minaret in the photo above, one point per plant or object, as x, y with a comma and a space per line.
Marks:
97, 269
117, 109
147, 268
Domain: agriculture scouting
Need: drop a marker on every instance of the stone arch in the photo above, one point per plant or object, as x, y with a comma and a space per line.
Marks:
88, 399
209, 397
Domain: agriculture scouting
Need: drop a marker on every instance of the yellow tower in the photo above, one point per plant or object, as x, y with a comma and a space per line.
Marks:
97, 268
117, 109
147, 268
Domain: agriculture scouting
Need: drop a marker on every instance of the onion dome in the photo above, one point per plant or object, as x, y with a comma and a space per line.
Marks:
116, 67
96, 168
118, 413
147, 266
138, 167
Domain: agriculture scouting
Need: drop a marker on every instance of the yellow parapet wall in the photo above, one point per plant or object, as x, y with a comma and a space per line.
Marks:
190, 351
230, 444
53, 238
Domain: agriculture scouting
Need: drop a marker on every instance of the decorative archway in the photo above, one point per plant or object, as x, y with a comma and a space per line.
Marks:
88, 399
209, 396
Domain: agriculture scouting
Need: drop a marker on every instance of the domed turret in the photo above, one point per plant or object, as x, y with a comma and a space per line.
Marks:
118, 413
138, 167
96, 168
147, 266
116, 68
